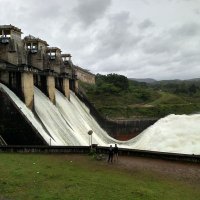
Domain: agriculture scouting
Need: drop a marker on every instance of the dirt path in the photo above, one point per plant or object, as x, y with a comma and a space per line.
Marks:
189, 172
183, 171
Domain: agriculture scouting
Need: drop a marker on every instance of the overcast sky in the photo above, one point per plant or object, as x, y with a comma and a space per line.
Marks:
137, 38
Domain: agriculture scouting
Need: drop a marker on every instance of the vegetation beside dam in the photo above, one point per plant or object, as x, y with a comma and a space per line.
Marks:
117, 97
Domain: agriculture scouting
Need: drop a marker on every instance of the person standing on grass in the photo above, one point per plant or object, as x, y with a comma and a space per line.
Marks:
116, 152
110, 154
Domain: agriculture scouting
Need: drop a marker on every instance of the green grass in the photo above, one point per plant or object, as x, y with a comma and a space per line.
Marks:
167, 98
44, 176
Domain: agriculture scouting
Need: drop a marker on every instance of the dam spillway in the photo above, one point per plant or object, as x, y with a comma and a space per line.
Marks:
68, 122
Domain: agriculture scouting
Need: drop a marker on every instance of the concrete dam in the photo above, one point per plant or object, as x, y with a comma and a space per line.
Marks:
39, 89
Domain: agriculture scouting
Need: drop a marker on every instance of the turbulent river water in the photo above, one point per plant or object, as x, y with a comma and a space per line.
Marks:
68, 123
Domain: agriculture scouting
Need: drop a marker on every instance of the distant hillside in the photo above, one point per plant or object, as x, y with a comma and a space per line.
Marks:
144, 80
177, 81
194, 80
153, 81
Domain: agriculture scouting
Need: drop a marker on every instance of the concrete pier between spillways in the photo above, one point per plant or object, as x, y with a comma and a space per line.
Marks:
22, 84
27, 88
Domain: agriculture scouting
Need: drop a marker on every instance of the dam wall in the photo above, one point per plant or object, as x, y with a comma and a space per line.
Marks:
29, 62
70, 123
126, 129
118, 129
14, 129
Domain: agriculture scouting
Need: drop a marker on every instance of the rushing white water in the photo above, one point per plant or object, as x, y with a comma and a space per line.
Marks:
68, 123
77, 115
51, 118
174, 133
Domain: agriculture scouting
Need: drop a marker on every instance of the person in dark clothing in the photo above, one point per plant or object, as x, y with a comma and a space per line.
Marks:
116, 152
110, 154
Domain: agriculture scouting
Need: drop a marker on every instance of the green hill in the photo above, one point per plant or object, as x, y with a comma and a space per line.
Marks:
116, 97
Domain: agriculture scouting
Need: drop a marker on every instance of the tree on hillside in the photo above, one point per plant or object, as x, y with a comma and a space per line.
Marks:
193, 89
117, 80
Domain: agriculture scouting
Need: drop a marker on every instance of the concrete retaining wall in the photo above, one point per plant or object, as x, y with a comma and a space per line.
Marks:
101, 150
121, 130
14, 128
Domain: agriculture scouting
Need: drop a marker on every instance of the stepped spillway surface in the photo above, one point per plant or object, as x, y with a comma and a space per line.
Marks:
68, 123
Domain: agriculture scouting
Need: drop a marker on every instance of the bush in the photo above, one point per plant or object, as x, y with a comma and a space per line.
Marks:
118, 81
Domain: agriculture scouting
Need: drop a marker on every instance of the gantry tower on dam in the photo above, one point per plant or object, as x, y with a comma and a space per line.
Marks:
30, 61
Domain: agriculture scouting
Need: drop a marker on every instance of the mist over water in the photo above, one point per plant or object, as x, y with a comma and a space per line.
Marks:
68, 123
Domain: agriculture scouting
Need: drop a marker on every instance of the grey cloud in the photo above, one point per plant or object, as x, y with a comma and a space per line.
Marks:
117, 37
197, 11
160, 54
40, 9
105, 39
186, 30
145, 24
159, 45
39, 18
88, 11
173, 40
35, 11
172, 52
190, 58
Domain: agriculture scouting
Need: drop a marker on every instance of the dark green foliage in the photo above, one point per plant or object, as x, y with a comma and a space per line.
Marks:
180, 87
193, 89
119, 81
107, 88
142, 100
112, 82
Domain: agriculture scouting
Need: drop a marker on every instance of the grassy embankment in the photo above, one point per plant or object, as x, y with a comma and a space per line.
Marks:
37, 176
140, 100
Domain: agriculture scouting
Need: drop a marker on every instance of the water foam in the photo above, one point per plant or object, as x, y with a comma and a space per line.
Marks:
174, 133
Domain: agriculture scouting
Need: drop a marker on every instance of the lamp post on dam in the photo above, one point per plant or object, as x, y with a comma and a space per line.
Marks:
90, 138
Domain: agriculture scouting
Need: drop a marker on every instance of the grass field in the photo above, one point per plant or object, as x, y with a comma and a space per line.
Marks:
45, 176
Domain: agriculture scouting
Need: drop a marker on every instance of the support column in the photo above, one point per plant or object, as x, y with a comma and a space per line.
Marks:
4, 77
66, 87
76, 86
27, 88
51, 88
